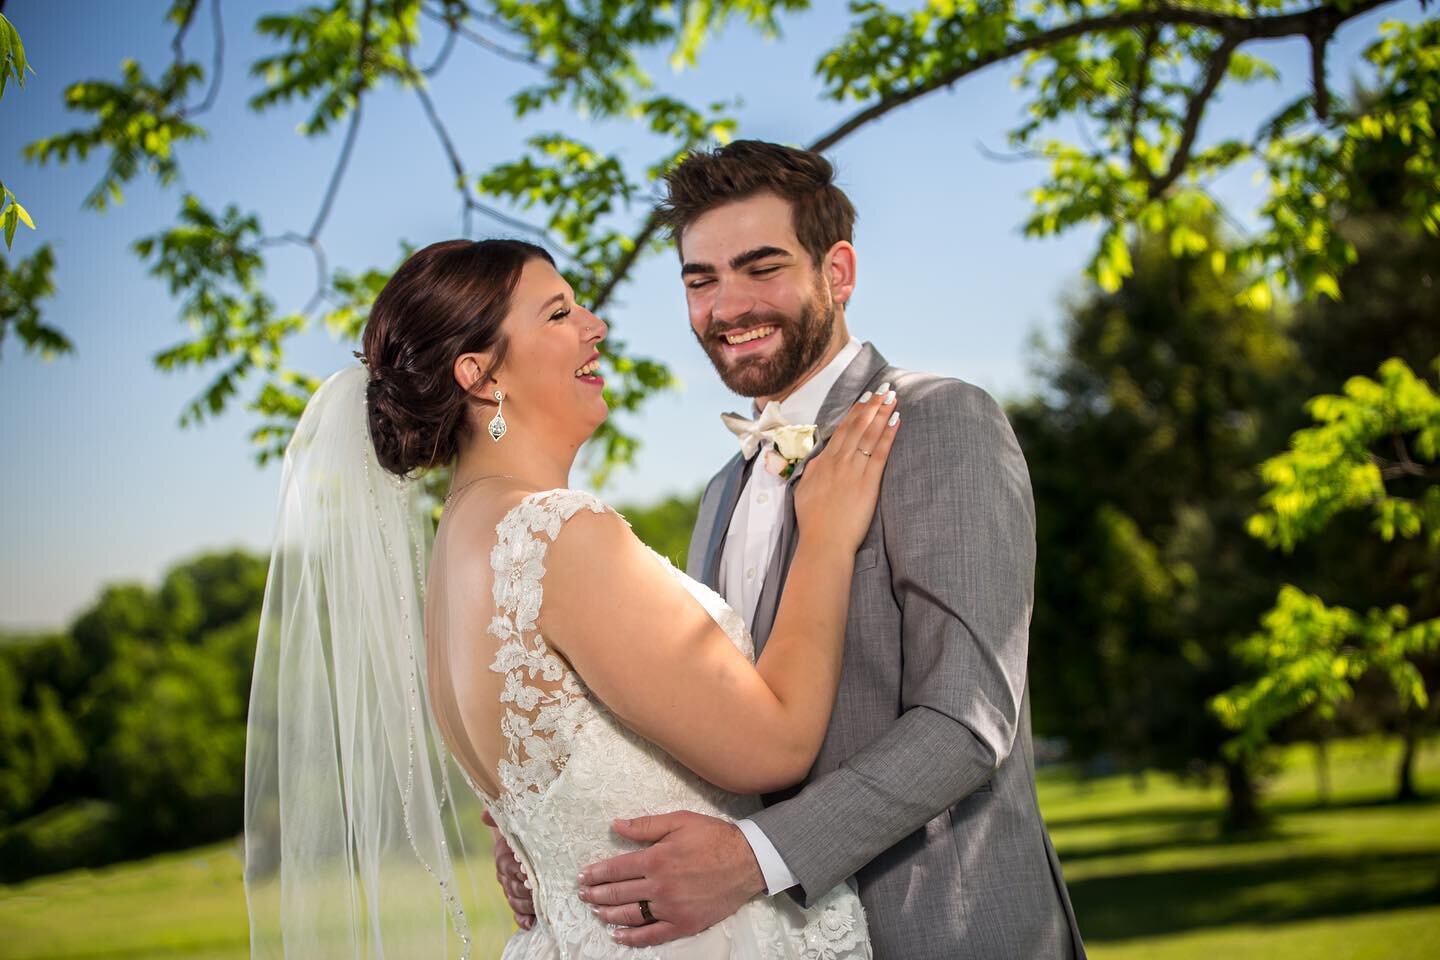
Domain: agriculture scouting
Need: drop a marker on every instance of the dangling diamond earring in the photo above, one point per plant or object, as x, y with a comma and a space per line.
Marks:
498, 426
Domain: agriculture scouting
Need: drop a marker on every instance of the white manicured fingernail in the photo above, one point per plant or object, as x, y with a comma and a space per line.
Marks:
883, 387
865, 397
889, 398
894, 418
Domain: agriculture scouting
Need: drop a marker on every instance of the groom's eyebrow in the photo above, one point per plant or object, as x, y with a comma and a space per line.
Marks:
759, 253
737, 262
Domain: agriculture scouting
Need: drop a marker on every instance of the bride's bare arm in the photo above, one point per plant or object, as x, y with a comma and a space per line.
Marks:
652, 654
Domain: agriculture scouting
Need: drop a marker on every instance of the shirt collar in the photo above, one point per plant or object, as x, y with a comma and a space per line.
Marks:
803, 406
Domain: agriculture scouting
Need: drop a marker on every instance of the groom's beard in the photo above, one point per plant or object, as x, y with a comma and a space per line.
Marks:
803, 340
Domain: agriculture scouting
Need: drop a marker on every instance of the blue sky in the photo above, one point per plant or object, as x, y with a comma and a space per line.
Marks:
100, 484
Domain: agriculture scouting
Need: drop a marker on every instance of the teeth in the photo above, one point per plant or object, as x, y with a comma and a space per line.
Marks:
748, 335
588, 369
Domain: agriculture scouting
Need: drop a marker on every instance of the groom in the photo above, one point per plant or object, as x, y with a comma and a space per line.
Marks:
924, 789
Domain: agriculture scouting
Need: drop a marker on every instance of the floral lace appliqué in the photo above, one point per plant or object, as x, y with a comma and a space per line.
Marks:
546, 702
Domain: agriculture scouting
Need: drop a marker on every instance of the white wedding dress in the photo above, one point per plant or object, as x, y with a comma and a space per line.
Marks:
572, 768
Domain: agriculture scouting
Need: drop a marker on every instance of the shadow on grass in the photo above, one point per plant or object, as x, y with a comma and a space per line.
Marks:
1202, 834
1201, 813
1297, 888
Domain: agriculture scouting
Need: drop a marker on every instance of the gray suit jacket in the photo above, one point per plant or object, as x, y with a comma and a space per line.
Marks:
924, 790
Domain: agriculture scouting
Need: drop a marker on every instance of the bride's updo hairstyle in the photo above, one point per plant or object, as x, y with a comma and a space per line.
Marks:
445, 300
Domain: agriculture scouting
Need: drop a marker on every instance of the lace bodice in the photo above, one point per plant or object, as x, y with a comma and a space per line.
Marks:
571, 768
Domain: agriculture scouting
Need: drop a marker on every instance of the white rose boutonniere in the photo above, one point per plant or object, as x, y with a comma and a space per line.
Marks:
793, 443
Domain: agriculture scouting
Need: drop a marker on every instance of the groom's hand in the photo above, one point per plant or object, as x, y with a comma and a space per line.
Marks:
512, 878
697, 871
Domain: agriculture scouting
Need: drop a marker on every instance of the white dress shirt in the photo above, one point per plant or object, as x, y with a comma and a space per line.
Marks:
750, 541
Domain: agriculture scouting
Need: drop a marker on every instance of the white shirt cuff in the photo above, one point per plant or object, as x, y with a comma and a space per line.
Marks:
777, 876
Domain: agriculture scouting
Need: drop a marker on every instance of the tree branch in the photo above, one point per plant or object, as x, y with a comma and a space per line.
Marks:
617, 276
457, 28
1137, 100
468, 202
350, 135
217, 62
1403, 452
177, 42
1319, 40
1236, 29
1214, 72
322, 268
1244, 29
177, 46
1007, 156
446, 48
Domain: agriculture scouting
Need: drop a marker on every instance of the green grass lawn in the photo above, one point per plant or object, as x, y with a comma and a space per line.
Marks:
1150, 874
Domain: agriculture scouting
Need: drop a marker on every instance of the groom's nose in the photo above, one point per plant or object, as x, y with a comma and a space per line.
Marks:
731, 302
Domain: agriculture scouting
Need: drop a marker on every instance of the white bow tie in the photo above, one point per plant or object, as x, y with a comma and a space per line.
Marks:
752, 433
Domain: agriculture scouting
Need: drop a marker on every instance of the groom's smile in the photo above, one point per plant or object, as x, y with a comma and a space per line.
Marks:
758, 307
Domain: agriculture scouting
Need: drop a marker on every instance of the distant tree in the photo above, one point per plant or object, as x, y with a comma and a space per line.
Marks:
1325, 661
38, 741
1373, 449
665, 526
1141, 446
173, 758
132, 725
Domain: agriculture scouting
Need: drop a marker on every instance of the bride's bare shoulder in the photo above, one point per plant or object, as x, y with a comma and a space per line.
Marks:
476, 522
468, 529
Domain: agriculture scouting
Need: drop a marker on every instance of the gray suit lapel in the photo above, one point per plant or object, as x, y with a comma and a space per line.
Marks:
719, 519
864, 373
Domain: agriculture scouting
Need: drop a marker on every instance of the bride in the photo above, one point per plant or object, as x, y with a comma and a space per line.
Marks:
571, 674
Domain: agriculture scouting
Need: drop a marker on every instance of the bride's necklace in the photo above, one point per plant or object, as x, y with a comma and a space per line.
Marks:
489, 476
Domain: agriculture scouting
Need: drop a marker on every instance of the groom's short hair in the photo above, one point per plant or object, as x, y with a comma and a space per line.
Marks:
706, 179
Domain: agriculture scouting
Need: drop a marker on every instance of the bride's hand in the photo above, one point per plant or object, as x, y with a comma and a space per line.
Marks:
837, 493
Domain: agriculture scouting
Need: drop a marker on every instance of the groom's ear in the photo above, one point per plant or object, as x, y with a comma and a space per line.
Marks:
839, 270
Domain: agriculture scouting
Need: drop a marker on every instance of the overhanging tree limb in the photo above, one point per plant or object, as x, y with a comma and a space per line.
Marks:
1244, 29
1235, 29
1214, 72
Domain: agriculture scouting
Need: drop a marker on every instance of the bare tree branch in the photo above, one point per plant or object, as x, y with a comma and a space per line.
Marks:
217, 62
322, 268
350, 135
177, 42
446, 48
1214, 73
457, 28
1007, 156
468, 201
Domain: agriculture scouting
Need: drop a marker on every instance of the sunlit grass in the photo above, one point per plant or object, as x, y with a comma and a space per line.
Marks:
1150, 873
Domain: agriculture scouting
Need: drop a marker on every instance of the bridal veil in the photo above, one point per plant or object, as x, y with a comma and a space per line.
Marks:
353, 833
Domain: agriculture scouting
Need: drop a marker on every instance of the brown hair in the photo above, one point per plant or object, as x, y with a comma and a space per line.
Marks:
446, 299
821, 213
